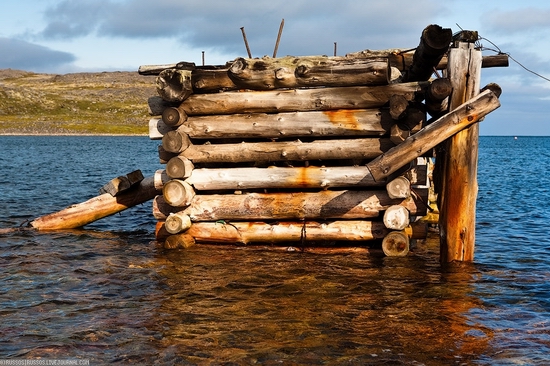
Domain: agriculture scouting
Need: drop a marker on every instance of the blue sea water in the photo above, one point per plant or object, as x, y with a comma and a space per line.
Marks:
110, 294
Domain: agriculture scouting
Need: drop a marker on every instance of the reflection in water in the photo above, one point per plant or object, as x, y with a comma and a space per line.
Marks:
264, 307
115, 298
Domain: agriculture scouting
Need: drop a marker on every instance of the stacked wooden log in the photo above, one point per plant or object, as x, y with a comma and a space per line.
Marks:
300, 150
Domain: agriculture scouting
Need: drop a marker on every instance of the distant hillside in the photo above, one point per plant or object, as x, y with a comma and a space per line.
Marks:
80, 103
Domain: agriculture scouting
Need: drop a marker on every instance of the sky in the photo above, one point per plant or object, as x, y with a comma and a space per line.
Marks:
65, 36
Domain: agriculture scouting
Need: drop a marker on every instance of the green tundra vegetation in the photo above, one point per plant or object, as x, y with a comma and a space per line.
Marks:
81, 103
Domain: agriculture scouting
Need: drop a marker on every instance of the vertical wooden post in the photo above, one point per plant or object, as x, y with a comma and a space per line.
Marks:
459, 179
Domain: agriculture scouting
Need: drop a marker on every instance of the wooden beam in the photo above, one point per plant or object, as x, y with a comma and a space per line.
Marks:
460, 118
97, 208
347, 204
246, 233
434, 43
459, 189
265, 152
277, 101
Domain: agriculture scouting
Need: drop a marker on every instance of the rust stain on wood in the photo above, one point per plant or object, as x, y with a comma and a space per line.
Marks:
344, 117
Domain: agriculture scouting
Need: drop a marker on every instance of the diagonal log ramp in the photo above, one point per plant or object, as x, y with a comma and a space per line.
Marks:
432, 135
97, 208
380, 168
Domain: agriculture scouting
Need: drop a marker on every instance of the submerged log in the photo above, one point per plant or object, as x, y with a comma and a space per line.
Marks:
311, 71
299, 205
182, 240
463, 116
396, 244
97, 208
265, 152
276, 101
245, 233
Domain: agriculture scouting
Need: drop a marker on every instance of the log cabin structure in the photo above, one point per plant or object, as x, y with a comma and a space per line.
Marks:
336, 154
315, 151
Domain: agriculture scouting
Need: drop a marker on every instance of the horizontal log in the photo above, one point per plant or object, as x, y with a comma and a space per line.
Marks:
265, 152
157, 105
343, 122
97, 208
402, 59
174, 116
277, 101
175, 141
161, 209
437, 97
157, 69
281, 178
399, 187
396, 217
396, 244
465, 115
157, 128
177, 222
178, 193
311, 71
182, 240
174, 85
300, 205
210, 179
245, 233
214, 78
160, 179
165, 156
179, 167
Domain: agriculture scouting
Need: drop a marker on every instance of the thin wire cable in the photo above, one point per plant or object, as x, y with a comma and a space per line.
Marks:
499, 51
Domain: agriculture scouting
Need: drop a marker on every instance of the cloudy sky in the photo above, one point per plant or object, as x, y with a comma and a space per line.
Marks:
64, 36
